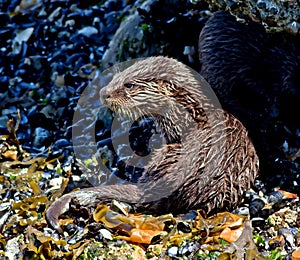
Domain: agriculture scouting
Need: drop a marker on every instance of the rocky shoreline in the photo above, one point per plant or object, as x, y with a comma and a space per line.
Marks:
49, 53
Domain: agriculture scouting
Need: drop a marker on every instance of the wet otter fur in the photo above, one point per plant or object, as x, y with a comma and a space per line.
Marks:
243, 63
208, 159
256, 75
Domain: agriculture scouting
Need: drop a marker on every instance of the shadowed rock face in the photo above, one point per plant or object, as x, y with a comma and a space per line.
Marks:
207, 161
257, 76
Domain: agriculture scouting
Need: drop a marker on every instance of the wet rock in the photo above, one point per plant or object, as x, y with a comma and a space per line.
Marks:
88, 31
55, 14
188, 248
4, 80
6, 35
106, 234
256, 206
244, 211
9, 111
3, 122
184, 227
23, 21
38, 61
173, 251
21, 37
13, 250
258, 222
61, 143
41, 137
275, 197
288, 237
128, 30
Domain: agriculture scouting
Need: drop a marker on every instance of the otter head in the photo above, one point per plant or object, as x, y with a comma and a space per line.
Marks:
147, 87
159, 87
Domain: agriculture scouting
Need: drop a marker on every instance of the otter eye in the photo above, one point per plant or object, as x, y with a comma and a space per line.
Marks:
128, 85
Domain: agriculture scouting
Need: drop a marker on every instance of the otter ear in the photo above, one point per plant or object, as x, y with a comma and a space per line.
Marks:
129, 85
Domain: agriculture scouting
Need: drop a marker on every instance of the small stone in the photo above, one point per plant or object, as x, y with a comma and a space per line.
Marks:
189, 51
56, 182
173, 251
106, 234
21, 36
285, 146
70, 23
13, 247
191, 215
258, 222
3, 121
256, 206
76, 178
288, 236
9, 111
54, 14
61, 143
42, 137
37, 61
244, 211
88, 31
275, 197
184, 227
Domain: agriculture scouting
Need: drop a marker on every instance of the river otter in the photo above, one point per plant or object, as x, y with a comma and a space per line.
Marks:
207, 161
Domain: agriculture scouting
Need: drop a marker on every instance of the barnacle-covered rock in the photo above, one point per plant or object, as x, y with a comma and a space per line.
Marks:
273, 14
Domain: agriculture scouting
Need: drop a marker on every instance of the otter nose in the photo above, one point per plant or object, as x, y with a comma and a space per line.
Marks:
104, 95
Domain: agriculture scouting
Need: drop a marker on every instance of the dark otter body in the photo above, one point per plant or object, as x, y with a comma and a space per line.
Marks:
244, 64
208, 160
257, 76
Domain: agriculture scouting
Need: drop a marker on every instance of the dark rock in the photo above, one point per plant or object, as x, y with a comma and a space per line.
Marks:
184, 227
4, 80
38, 61
275, 197
10, 112
61, 143
41, 137
38, 119
258, 222
4, 19
256, 206
3, 122
22, 21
